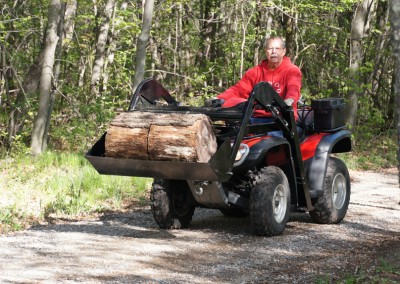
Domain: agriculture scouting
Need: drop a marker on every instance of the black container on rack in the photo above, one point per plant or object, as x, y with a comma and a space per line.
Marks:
329, 114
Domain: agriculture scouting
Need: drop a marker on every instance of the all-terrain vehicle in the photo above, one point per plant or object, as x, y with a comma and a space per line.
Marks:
252, 173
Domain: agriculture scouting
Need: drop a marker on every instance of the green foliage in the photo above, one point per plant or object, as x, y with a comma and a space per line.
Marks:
385, 266
62, 184
11, 219
372, 151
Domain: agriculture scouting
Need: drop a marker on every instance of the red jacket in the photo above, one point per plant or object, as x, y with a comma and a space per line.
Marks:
286, 80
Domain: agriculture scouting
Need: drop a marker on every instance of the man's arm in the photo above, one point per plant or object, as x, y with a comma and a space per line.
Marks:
293, 86
241, 89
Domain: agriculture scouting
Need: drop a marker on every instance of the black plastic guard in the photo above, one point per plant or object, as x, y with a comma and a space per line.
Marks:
338, 142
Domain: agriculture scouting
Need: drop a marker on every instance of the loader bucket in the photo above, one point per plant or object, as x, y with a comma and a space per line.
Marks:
217, 169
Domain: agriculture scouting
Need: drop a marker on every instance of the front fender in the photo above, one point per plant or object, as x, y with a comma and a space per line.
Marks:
316, 166
259, 147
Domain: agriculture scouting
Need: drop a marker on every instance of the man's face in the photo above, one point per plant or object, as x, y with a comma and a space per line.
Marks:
275, 52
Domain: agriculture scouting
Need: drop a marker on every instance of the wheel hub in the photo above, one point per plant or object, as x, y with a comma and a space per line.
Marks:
339, 191
279, 203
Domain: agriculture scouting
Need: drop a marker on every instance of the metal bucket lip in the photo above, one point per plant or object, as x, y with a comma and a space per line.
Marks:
154, 169
216, 169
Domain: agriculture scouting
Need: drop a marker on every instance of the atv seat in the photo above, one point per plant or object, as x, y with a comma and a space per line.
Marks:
277, 133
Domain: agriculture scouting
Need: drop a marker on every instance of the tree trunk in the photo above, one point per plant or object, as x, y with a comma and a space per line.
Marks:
289, 22
56, 72
3, 77
27, 89
23, 90
382, 63
142, 41
45, 87
245, 23
101, 46
114, 36
69, 19
5, 74
359, 26
395, 24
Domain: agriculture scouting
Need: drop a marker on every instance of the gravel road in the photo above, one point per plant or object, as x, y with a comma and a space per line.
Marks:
128, 247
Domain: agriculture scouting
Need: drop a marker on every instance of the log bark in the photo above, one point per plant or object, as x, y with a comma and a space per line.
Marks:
161, 137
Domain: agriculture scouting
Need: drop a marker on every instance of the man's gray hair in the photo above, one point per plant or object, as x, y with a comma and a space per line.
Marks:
275, 37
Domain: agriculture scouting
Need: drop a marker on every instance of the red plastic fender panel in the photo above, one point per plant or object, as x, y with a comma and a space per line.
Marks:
310, 144
252, 141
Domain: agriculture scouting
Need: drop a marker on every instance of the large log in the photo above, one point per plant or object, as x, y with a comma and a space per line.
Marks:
165, 136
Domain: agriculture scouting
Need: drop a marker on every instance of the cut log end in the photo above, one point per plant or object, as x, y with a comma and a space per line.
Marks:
124, 142
162, 137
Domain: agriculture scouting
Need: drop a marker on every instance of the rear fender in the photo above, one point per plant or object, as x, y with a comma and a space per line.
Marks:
316, 166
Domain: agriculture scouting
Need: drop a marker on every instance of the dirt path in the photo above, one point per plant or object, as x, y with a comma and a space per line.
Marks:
129, 247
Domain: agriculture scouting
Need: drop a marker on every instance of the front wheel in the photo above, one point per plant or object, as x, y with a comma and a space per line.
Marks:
269, 202
331, 206
172, 203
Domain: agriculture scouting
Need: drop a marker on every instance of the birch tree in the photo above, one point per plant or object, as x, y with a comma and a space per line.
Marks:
102, 38
38, 143
395, 24
69, 19
142, 41
359, 27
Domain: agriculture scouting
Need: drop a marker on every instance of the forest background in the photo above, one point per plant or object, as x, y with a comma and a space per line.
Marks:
67, 67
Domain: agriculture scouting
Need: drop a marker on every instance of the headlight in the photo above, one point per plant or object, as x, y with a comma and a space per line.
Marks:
241, 155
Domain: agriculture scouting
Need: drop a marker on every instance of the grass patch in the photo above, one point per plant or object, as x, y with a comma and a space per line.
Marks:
372, 153
384, 273
61, 184
10, 219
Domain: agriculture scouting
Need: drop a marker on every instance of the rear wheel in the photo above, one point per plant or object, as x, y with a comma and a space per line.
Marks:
269, 202
172, 203
331, 206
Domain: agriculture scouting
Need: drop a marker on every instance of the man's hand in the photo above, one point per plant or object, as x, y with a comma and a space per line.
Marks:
289, 102
214, 102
